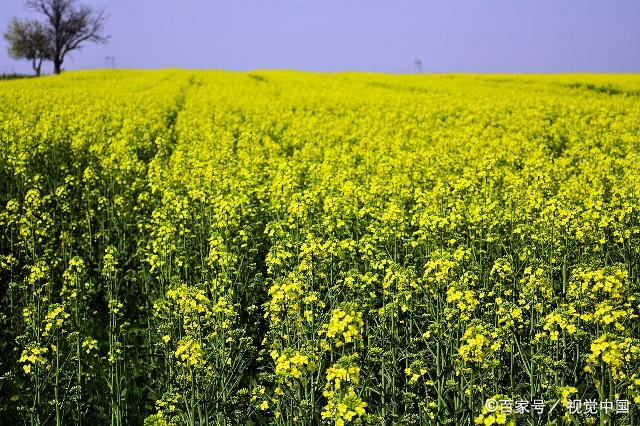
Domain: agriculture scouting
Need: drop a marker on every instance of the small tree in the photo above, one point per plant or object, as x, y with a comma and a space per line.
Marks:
29, 40
69, 26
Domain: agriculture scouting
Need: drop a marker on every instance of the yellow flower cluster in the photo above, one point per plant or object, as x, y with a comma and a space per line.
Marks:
33, 356
54, 319
497, 417
292, 364
536, 289
89, 344
344, 406
348, 410
479, 344
343, 328
166, 406
562, 319
286, 298
189, 352
414, 376
466, 301
110, 262
599, 283
617, 353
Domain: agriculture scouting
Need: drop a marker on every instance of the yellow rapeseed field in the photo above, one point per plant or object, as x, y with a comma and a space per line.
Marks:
217, 248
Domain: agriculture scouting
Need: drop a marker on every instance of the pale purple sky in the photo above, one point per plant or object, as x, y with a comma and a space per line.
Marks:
497, 36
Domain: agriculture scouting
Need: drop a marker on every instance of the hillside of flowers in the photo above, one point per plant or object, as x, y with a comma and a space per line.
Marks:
282, 248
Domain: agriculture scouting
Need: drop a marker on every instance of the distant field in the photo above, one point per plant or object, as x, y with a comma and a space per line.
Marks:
13, 76
215, 248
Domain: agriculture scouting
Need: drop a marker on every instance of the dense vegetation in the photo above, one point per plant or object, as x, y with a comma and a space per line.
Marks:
208, 248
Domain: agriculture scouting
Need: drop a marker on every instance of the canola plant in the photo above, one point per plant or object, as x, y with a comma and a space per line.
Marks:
282, 248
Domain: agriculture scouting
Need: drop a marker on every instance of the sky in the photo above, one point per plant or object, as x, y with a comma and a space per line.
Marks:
483, 36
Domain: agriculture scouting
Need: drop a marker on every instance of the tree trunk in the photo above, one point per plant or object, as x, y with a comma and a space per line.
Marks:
39, 67
57, 66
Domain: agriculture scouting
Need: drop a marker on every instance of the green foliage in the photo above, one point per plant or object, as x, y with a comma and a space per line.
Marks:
29, 40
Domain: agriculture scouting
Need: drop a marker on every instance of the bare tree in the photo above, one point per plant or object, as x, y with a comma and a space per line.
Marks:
70, 26
29, 40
